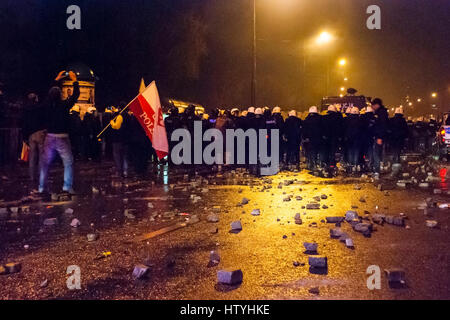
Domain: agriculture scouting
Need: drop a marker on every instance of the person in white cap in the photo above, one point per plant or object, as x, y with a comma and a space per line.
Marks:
293, 136
398, 134
352, 139
367, 137
279, 124
312, 137
332, 130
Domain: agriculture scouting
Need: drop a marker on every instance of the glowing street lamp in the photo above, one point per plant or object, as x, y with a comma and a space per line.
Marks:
342, 62
419, 100
342, 88
346, 79
324, 38
434, 95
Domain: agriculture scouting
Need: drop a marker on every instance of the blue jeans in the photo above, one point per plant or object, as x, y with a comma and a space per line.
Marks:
52, 146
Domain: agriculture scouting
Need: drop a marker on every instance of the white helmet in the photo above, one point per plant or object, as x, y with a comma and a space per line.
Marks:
399, 110
313, 109
355, 110
251, 110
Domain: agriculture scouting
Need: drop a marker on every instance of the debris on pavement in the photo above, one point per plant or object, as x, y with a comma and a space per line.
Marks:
230, 277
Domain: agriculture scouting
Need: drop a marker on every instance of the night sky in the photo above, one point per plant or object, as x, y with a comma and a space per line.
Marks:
201, 50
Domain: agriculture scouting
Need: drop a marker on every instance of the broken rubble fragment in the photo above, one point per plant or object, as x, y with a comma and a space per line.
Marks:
431, 223
351, 215
75, 223
150, 205
140, 271
244, 201
378, 218
236, 225
92, 237
334, 219
230, 277
44, 283
50, 221
298, 198
317, 261
68, 211
395, 275
336, 233
362, 227
212, 218
214, 258
349, 243
193, 219
310, 246
255, 212
313, 206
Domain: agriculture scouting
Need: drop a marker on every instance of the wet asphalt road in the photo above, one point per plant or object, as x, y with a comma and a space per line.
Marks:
179, 258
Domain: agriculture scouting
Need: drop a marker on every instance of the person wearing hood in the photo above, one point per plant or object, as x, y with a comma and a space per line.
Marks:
332, 127
33, 131
353, 137
57, 141
399, 133
312, 137
293, 135
380, 132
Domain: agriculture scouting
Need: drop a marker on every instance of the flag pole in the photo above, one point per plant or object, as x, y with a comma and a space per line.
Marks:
109, 124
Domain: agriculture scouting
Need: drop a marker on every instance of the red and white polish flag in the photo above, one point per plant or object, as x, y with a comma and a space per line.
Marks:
146, 108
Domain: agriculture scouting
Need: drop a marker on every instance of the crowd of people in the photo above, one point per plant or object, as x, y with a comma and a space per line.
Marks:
357, 139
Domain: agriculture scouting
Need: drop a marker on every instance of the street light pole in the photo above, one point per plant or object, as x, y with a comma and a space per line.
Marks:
253, 86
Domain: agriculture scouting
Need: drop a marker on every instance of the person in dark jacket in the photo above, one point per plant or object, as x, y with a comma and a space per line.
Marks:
33, 132
91, 127
57, 141
367, 137
293, 134
118, 134
76, 131
332, 126
172, 123
139, 145
432, 129
279, 124
399, 133
353, 137
380, 131
312, 137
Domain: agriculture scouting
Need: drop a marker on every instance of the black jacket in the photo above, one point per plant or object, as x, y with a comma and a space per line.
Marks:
312, 128
381, 123
293, 130
399, 129
56, 114
32, 120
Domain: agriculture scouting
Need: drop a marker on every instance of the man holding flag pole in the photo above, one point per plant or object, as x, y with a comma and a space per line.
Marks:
146, 108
